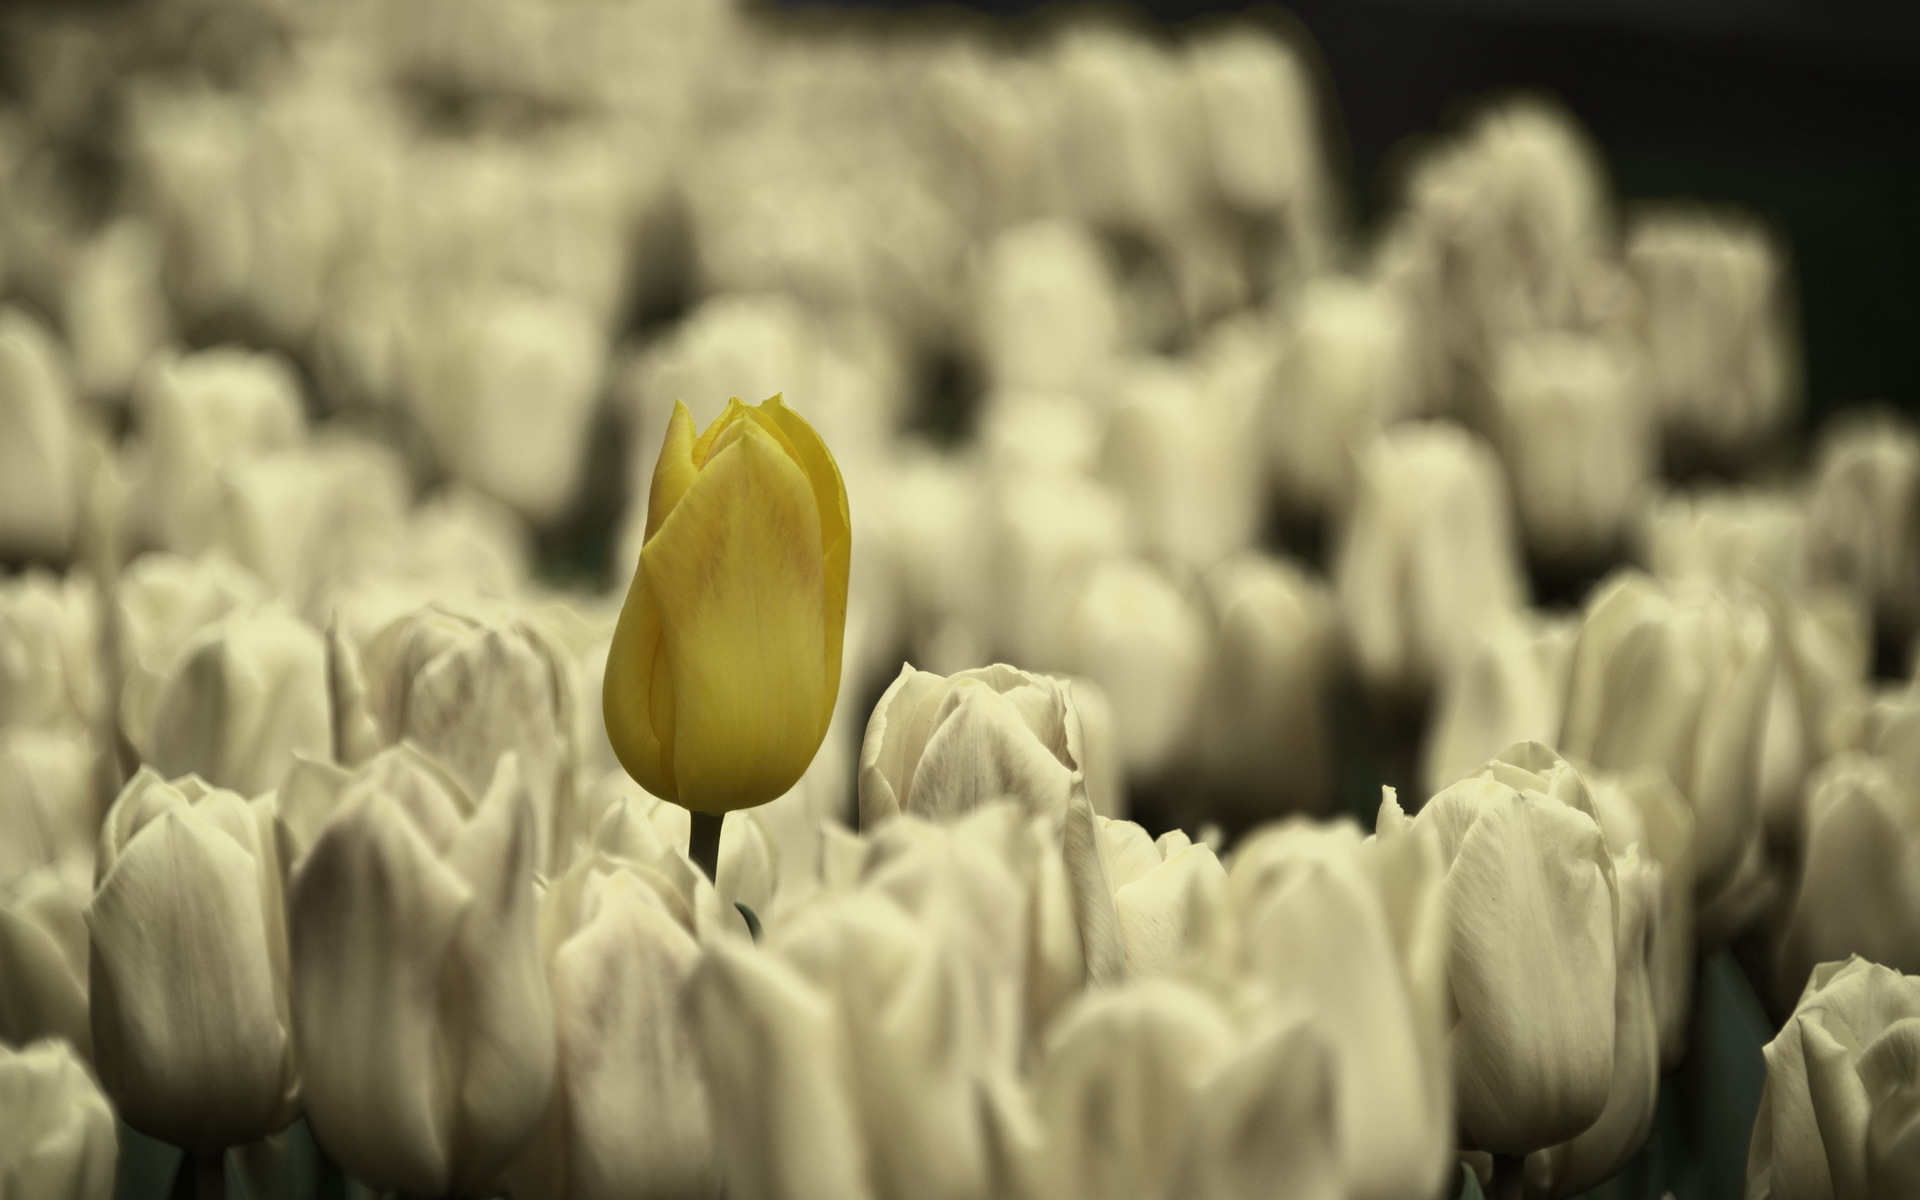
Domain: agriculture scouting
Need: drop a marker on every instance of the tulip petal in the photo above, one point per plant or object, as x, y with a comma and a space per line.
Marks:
736, 572
675, 470
637, 694
180, 942
836, 527
982, 750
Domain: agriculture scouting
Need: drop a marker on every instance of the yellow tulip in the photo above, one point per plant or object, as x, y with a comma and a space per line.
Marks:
726, 660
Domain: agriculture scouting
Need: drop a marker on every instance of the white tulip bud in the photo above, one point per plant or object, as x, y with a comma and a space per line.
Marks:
1128, 130
49, 651
1174, 915
1858, 891
478, 365
1047, 315
1137, 637
191, 144
1049, 535
241, 698
49, 815
197, 414
190, 1009
1123, 1076
778, 1077
1345, 372
1531, 894
1264, 1124
1605, 1146
1428, 556
1837, 1113
1510, 686
1579, 442
1183, 464
1720, 351
60, 1142
160, 601
1644, 809
939, 747
43, 958
421, 1009
1354, 931
1261, 113
1675, 676
468, 688
114, 309
1863, 516
629, 1110
39, 493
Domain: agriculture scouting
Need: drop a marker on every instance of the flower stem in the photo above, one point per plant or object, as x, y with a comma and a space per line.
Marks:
210, 1175
1509, 1177
705, 850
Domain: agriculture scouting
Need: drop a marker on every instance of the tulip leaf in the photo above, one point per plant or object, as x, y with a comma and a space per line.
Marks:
752, 919
1470, 1185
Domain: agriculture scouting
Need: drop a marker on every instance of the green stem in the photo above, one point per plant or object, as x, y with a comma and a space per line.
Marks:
705, 849
1509, 1177
209, 1175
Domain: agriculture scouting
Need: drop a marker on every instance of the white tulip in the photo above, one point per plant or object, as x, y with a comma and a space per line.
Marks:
197, 414
49, 651
113, 307
1264, 743
1354, 932
1863, 514
1137, 637
1604, 1147
1345, 371
160, 601
940, 746
49, 813
1836, 1118
1531, 895
1263, 1125
1127, 131
1644, 809
1510, 686
191, 1018
1858, 890
421, 1009
1579, 441
39, 491
1047, 315
1428, 556
1182, 463
479, 363
1714, 297
1048, 536
1675, 676
629, 1112
930, 534
43, 958
60, 1142
1173, 915
469, 687
778, 1077
1261, 111
240, 699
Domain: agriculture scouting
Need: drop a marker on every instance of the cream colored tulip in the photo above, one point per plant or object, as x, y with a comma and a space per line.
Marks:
43, 958
421, 1009
1143, 642
726, 662
191, 1018
160, 601
49, 650
1861, 515
1510, 686
1047, 314
39, 491
57, 1134
1644, 809
1049, 534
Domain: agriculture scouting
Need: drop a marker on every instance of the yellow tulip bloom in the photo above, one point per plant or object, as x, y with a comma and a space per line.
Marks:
726, 660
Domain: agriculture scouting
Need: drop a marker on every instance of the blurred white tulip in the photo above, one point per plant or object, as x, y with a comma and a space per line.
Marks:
49, 806
1143, 642
1863, 515
60, 1141
1858, 890
629, 1115
1263, 1124
160, 601
1173, 914
50, 670
1354, 932
1345, 371
198, 414
114, 310
1264, 744
930, 536
1720, 351
504, 383
1675, 676
1428, 557
240, 699
1047, 316
1579, 442
1510, 686
1182, 462
1128, 130
1048, 536
1531, 895
1644, 809
1837, 1114
39, 490
43, 958
421, 1008
470, 686
191, 1019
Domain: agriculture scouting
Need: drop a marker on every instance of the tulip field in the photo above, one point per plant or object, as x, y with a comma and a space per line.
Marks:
679, 600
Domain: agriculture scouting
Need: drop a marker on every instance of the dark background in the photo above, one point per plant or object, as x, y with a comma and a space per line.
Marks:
1807, 114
